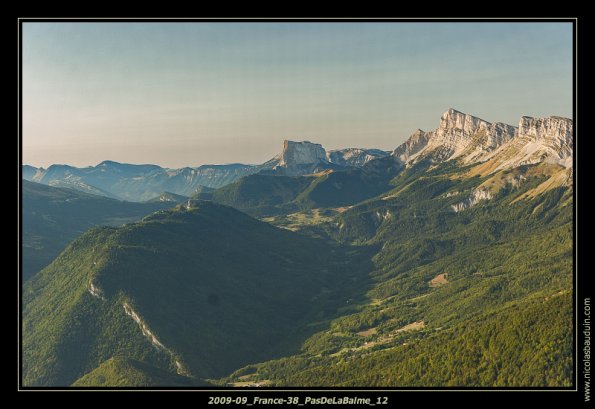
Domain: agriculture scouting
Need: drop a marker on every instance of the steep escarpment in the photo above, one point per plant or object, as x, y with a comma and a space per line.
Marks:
540, 139
301, 153
417, 142
473, 140
544, 144
458, 135
301, 158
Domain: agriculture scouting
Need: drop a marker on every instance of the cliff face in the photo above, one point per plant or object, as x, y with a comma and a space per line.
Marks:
300, 158
458, 135
301, 153
417, 142
473, 140
538, 140
552, 128
548, 136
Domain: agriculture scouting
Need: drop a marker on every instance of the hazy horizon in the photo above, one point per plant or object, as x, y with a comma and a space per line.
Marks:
187, 94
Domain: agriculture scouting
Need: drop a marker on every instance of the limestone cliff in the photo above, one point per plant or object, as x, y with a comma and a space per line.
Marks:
458, 135
473, 140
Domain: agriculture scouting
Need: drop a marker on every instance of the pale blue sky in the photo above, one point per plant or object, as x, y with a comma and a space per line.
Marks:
186, 94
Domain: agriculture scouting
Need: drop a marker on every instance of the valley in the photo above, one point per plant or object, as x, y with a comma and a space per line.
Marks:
197, 290
447, 262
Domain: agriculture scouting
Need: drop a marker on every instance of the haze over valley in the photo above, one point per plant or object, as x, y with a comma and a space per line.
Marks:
311, 268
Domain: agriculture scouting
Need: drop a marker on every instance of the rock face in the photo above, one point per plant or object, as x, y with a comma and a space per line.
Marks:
301, 153
300, 158
552, 136
412, 146
552, 128
356, 157
473, 140
538, 140
458, 135
478, 195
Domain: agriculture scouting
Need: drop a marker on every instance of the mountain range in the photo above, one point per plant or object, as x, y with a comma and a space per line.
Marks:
144, 182
459, 136
446, 262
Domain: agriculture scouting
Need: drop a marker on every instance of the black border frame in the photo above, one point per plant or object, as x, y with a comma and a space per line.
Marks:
578, 292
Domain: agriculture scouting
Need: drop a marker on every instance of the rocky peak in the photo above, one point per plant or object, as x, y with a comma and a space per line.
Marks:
302, 158
473, 140
455, 120
301, 153
416, 142
458, 135
297, 158
492, 134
